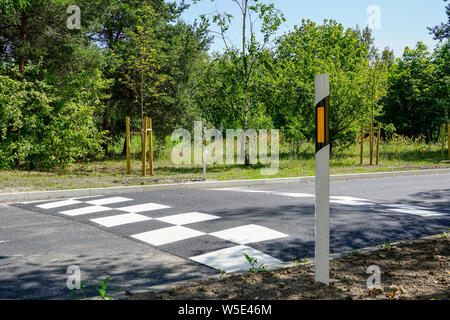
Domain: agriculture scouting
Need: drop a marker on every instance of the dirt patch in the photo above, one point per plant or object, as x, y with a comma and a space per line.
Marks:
415, 270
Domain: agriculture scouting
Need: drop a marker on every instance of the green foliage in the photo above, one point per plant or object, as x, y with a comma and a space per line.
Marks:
417, 102
141, 69
40, 128
254, 267
288, 85
65, 93
103, 289
442, 32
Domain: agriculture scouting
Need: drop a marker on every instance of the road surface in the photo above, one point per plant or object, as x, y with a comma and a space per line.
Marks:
157, 237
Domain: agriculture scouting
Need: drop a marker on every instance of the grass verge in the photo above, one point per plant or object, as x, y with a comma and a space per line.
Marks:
395, 156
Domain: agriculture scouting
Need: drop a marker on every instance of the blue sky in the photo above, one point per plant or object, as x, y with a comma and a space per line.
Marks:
402, 22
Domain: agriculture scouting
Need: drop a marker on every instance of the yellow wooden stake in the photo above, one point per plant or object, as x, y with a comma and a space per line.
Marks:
144, 147
443, 142
378, 143
371, 143
362, 145
150, 145
127, 142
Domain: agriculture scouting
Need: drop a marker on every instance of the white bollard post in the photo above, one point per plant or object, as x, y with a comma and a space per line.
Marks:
204, 154
322, 180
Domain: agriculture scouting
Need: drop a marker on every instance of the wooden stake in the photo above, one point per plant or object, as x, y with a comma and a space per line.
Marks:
378, 143
127, 142
371, 143
150, 145
144, 147
448, 139
443, 142
361, 157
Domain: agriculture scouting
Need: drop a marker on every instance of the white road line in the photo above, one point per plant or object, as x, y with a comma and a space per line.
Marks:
233, 259
121, 219
85, 210
101, 202
248, 234
417, 211
143, 207
187, 218
276, 193
351, 201
167, 235
58, 204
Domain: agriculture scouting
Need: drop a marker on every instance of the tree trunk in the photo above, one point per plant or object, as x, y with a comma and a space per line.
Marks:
23, 37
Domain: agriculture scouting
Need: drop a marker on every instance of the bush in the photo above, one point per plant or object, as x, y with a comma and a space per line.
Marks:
40, 128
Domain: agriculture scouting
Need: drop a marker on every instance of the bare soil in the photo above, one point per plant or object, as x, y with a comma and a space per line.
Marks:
416, 270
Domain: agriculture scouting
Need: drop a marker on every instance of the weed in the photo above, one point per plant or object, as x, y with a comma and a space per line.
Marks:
221, 272
254, 268
386, 246
102, 290
83, 291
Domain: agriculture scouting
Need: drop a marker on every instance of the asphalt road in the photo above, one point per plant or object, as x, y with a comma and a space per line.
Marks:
151, 238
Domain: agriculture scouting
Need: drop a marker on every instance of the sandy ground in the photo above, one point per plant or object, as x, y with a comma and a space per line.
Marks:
415, 270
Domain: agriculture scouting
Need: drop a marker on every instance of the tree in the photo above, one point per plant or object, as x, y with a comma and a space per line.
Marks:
141, 71
243, 59
52, 87
180, 44
312, 49
377, 86
442, 31
417, 102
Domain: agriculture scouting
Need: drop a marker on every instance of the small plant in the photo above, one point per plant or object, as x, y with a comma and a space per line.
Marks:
83, 291
356, 251
386, 246
445, 234
221, 272
297, 262
103, 290
254, 268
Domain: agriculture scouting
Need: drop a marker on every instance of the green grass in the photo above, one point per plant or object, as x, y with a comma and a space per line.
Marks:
398, 154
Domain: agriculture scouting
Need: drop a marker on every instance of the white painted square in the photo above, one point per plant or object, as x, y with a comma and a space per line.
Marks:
249, 234
417, 211
120, 219
167, 235
233, 259
351, 201
85, 210
58, 204
101, 202
187, 218
294, 194
143, 207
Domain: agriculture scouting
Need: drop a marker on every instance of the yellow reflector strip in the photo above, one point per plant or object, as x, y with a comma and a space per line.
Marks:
321, 125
